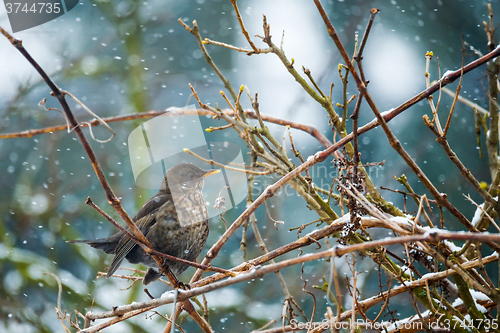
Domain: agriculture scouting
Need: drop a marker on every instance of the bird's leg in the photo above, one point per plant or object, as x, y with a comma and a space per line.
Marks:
183, 286
165, 270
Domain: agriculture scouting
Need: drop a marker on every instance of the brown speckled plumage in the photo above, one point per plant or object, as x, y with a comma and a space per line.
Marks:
174, 220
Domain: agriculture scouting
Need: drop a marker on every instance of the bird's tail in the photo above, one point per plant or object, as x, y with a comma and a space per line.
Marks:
101, 243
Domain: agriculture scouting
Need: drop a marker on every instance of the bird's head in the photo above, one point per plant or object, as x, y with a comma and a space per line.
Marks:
186, 175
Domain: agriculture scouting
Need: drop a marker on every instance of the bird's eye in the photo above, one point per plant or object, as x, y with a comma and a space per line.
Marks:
191, 176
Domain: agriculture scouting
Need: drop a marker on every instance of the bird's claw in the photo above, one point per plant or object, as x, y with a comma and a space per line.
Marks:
182, 285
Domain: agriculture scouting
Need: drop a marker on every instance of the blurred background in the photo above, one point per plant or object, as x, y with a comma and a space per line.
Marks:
122, 57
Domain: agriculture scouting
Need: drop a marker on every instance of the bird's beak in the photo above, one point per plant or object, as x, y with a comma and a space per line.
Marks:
210, 172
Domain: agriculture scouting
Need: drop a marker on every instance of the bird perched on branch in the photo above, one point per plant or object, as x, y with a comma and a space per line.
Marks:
174, 221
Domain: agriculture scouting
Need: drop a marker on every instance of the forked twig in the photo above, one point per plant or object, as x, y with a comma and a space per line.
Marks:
457, 93
225, 166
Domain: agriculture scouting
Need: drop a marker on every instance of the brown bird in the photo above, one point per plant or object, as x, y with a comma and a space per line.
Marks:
174, 221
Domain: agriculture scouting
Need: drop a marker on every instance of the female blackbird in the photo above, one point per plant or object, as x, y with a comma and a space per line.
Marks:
174, 220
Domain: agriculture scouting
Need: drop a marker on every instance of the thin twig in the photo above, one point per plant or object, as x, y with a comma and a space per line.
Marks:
225, 166
150, 114
482, 210
243, 29
465, 172
434, 109
359, 55
465, 101
457, 93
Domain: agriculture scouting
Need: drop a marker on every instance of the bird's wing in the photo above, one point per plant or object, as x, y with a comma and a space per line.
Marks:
144, 219
152, 205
